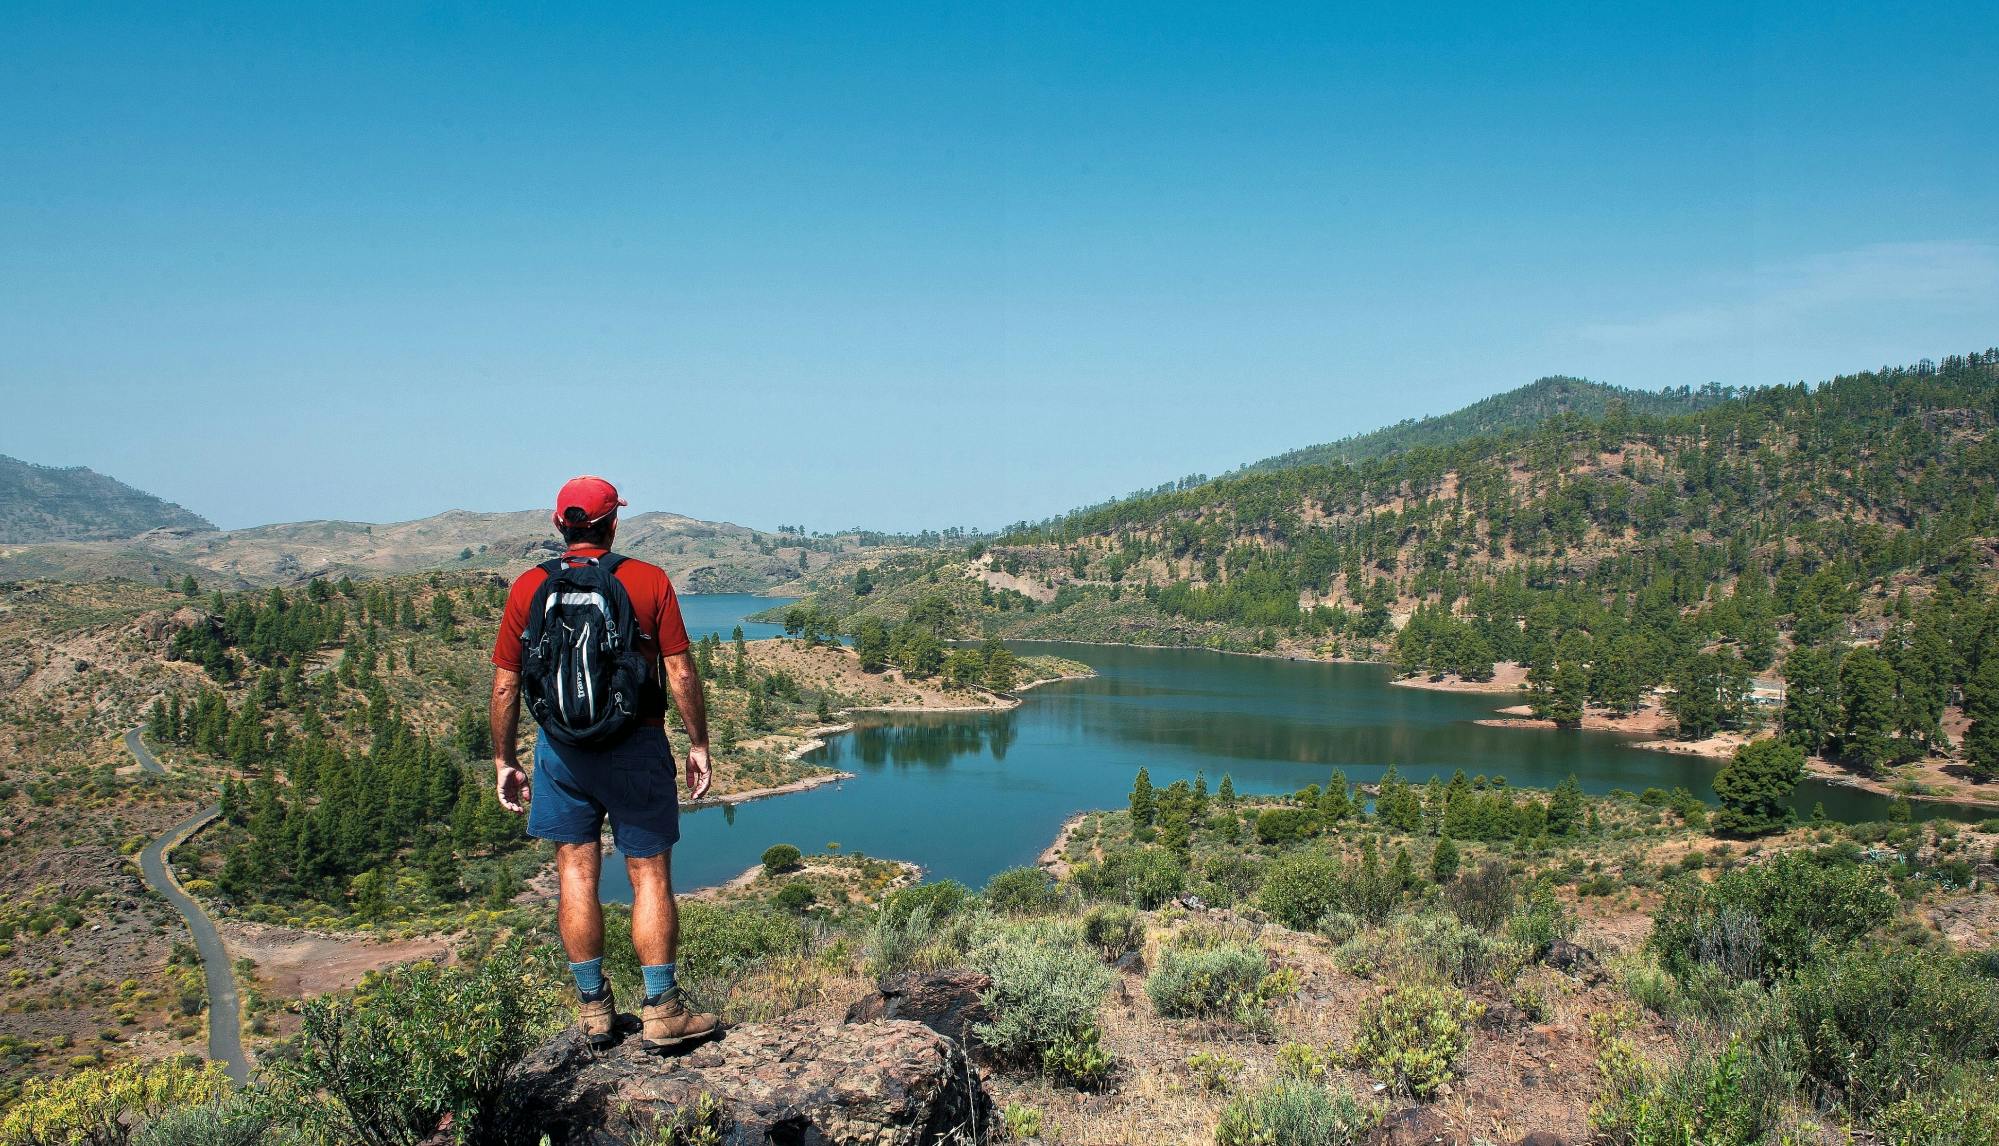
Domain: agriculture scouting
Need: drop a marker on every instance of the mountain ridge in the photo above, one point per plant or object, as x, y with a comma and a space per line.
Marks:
76, 503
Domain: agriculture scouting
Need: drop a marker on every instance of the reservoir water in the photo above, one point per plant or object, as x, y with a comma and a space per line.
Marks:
969, 794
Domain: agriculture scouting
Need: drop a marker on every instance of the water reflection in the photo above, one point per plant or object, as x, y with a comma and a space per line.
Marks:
967, 794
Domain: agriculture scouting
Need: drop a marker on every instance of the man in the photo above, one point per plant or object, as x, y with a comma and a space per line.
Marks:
629, 779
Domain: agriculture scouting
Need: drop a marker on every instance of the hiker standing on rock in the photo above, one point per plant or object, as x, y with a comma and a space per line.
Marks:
586, 638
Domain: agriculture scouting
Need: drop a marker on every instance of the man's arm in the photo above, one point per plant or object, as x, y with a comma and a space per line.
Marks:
504, 721
685, 681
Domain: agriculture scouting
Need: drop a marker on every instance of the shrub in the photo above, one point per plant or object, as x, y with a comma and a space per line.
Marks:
898, 943
1460, 953
1114, 930
1209, 981
230, 1122
1021, 891
1954, 1115
1228, 878
96, 1107
1286, 825
1214, 1070
1540, 923
794, 898
1078, 1058
1021, 1121
418, 1043
1412, 1036
1874, 1025
1708, 1099
1798, 902
1046, 987
1300, 888
1145, 878
943, 898
1296, 1112
781, 857
1339, 926
1300, 1061
1482, 897
726, 942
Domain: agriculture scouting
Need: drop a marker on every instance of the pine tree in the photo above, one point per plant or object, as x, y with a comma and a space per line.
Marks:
1226, 793
1811, 699
1867, 689
1981, 705
1565, 808
1144, 803
1755, 787
1336, 804
1444, 861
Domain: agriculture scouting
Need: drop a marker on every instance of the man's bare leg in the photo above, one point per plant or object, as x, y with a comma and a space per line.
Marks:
655, 922
666, 1021
580, 916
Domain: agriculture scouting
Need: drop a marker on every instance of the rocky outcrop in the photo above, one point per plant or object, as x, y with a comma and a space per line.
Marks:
948, 1002
794, 1082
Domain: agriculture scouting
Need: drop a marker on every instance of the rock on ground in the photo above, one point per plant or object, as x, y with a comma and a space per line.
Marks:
947, 1002
794, 1082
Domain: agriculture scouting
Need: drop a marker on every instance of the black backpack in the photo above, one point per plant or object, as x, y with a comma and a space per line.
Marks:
583, 677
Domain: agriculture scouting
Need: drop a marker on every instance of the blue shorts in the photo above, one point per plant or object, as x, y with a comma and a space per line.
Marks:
631, 781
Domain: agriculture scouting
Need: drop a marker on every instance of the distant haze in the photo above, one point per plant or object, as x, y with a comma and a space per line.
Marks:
924, 265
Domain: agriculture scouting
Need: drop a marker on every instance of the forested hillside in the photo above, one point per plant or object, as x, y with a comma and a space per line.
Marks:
1840, 536
1515, 410
47, 503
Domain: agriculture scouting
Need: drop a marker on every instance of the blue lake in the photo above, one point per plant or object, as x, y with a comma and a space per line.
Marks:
967, 795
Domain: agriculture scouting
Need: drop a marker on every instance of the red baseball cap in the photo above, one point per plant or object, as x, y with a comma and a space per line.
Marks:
597, 498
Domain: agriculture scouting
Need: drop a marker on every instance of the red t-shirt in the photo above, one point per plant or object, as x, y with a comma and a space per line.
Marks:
655, 609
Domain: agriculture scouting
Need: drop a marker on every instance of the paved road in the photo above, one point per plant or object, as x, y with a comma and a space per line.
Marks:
225, 1012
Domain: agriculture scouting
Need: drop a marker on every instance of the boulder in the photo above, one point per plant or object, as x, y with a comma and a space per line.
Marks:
1541, 1138
947, 1002
793, 1082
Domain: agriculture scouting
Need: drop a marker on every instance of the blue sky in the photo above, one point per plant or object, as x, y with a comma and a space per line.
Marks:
935, 264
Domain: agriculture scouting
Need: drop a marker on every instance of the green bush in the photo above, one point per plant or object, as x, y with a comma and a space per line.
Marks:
794, 898
1300, 888
1114, 930
1875, 1025
1412, 1036
1286, 825
238, 1122
1078, 1058
1960, 1114
420, 1042
1145, 878
1459, 952
1216, 980
944, 898
1022, 891
1228, 878
781, 857
1799, 902
98, 1106
1046, 988
1296, 1112
1540, 923
1710, 1099
731, 940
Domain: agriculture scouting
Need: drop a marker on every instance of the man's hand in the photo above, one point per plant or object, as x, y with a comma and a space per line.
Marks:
511, 785
699, 773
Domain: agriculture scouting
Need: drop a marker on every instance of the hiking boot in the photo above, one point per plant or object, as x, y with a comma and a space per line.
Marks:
666, 1022
597, 1017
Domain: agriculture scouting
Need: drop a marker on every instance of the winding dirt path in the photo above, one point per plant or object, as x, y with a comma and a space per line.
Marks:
225, 1018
